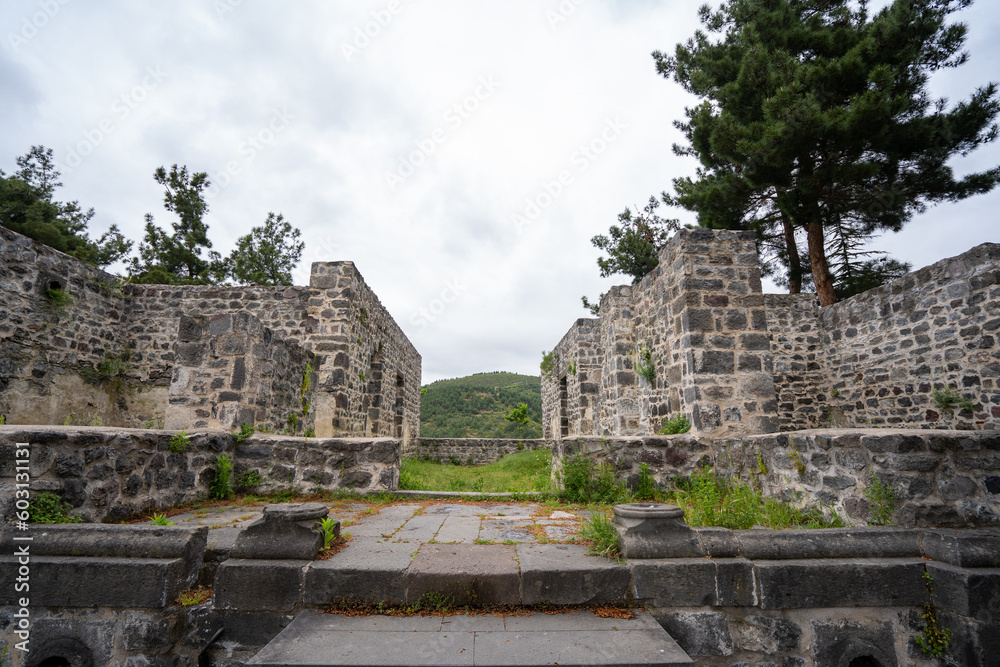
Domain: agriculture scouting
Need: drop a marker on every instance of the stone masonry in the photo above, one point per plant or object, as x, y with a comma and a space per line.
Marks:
78, 345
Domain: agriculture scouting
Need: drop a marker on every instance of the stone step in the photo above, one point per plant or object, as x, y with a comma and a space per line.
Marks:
576, 638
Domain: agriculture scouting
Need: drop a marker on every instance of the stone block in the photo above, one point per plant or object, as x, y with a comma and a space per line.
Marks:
566, 574
698, 633
964, 548
259, 585
973, 593
766, 634
676, 582
71, 581
471, 573
287, 531
831, 543
654, 530
368, 570
800, 584
843, 642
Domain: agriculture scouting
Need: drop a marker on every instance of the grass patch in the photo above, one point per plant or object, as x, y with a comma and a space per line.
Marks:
711, 500
50, 508
601, 536
518, 472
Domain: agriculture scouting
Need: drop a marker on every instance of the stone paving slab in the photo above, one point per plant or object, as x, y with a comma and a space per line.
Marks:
579, 638
470, 573
421, 528
460, 529
369, 570
502, 530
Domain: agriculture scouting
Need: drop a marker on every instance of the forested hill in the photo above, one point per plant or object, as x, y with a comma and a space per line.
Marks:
474, 406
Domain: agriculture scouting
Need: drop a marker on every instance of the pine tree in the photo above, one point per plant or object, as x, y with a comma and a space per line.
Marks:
267, 255
816, 119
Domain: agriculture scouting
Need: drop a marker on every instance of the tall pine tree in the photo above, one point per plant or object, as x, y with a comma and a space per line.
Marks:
816, 118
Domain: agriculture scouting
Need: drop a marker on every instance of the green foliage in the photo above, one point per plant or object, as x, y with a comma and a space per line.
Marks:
519, 415
248, 479
27, 207
476, 407
584, 481
3, 419
161, 520
222, 485
433, 601
711, 500
309, 433
521, 471
179, 442
600, 532
882, 501
267, 255
111, 372
644, 365
645, 488
947, 399
633, 243
50, 508
194, 596
934, 640
328, 527
548, 365
571, 368
676, 424
815, 118
246, 430
59, 301
796, 458
176, 259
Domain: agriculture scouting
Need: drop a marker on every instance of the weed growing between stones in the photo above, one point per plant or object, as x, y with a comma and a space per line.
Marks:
328, 527
248, 480
59, 301
947, 399
586, 482
50, 508
222, 486
161, 520
645, 488
676, 424
796, 458
644, 365
882, 500
935, 640
246, 430
194, 596
111, 372
601, 536
179, 442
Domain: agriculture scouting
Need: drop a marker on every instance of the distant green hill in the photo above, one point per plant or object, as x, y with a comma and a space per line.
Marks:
474, 406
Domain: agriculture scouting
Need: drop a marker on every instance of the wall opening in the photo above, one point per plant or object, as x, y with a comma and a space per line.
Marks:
563, 411
397, 420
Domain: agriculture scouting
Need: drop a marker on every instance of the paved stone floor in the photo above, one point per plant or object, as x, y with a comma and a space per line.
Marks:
578, 638
409, 522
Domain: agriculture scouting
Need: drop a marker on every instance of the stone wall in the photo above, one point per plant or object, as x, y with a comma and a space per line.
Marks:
940, 478
366, 372
110, 474
470, 451
668, 456
734, 361
231, 370
698, 320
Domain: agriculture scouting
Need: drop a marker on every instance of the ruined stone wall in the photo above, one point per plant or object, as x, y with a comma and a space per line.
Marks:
698, 321
471, 451
366, 372
231, 370
571, 395
940, 478
369, 380
110, 474
46, 347
800, 379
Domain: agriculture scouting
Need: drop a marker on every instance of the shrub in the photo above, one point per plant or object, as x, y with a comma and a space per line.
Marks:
586, 482
248, 479
222, 486
246, 430
947, 399
50, 508
548, 365
646, 488
644, 365
882, 501
59, 301
677, 424
179, 442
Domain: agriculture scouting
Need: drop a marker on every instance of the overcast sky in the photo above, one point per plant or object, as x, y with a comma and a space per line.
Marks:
461, 153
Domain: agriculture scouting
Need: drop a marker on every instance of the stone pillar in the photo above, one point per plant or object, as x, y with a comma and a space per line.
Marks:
722, 350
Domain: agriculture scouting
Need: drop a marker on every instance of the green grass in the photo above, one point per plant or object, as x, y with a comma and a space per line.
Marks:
710, 500
523, 471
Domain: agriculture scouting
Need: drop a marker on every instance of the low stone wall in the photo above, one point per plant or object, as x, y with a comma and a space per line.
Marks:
940, 478
112, 474
668, 456
826, 597
470, 451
